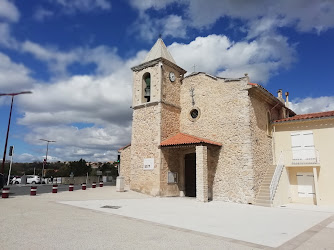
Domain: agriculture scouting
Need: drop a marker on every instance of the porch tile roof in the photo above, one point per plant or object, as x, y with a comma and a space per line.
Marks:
307, 116
184, 139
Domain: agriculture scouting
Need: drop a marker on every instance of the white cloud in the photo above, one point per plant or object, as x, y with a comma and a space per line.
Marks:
104, 59
8, 11
41, 14
83, 5
313, 105
90, 143
13, 76
147, 4
80, 99
150, 28
57, 61
86, 115
305, 16
6, 39
25, 157
217, 55
174, 26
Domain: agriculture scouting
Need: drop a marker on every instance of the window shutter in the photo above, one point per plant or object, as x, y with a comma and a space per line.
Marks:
296, 140
308, 139
296, 145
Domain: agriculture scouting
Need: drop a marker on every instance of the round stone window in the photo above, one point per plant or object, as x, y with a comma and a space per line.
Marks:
194, 114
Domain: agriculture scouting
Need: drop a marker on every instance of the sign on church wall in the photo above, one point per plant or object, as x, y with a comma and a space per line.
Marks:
148, 163
172, 177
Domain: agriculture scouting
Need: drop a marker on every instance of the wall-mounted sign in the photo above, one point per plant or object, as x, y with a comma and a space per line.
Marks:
172, 177
98, 172
148, 163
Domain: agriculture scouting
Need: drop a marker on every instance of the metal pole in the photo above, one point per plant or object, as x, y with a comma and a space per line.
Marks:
5, 151
10, 169
46, 156
46, 160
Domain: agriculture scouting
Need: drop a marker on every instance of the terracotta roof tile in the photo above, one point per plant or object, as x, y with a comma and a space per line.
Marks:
184, 139
124, 147
307, 116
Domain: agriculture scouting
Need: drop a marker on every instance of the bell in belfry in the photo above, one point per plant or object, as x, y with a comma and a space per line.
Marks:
148, 89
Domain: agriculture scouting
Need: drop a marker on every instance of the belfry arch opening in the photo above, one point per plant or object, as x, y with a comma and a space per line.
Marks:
146, 87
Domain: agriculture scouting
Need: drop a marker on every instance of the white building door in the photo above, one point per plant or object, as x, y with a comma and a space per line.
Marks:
305, 183
302, 145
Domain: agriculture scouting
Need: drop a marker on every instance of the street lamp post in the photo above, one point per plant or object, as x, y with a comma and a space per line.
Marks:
46, 156
10, 116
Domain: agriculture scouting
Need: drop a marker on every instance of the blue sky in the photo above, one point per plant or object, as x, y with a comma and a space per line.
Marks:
76, 55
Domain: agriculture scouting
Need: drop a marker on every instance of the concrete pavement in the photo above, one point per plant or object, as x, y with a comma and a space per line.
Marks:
104, 218
259, 225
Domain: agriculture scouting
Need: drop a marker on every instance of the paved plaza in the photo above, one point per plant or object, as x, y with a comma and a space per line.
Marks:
106, 219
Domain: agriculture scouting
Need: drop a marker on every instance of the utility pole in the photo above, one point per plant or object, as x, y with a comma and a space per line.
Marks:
46, 157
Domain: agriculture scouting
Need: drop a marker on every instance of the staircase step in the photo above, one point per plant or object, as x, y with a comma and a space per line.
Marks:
266, 182
266, 201
262, 204
263, 197
264, 192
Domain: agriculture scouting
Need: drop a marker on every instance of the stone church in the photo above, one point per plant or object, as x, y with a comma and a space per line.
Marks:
198, 135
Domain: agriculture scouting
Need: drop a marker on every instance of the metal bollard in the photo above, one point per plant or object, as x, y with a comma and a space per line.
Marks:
70, 187
5, 192
101, 183
54, 188
83, 186
33, 190
94, 185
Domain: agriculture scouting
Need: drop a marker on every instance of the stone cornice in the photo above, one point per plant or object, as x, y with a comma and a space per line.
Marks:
155, 62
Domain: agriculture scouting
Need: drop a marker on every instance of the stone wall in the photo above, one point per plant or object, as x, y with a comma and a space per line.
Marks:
125, 167
144, 144
138, 85
261, 141
171, 90
224, 117
171, 162
170, 121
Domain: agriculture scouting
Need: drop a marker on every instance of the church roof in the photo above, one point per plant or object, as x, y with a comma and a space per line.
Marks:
158, 50
184, 139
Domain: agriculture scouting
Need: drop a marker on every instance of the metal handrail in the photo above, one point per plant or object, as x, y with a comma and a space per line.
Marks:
301, 157
276, 176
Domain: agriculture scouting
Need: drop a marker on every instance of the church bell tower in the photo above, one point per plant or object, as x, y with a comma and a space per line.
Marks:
156, 115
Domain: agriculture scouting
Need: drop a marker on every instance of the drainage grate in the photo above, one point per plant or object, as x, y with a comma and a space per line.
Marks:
112, 207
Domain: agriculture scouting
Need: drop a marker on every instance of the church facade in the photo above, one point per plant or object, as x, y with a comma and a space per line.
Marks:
198, 135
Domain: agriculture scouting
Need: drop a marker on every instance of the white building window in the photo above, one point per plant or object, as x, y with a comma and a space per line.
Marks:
302, 145
305, 184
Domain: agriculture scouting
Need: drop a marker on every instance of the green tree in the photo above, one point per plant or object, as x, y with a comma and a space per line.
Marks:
80, 168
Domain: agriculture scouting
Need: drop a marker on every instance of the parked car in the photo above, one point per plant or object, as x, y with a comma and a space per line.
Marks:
16, 180
33, 179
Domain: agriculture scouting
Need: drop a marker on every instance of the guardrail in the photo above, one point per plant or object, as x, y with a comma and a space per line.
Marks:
276, 176
301, 157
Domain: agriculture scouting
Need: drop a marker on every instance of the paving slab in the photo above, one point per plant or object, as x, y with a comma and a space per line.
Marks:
264, 226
